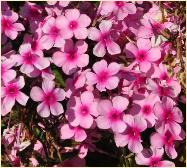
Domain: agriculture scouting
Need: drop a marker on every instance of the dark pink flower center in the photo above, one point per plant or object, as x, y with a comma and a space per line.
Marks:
141, 56
168, 115
73, 25
34, 45
119, 4
50, 98
133, 132
146, 109
12, 90
72, 56
6, 23
103, 76
29, 58
154, 162
115, 115
54, 31
105, 38
84, 110
164, 76
3, 69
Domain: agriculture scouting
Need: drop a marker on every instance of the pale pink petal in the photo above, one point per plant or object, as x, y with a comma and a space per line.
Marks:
145, 66
156, 140
174, 127
43, 110
135, 146
36, 94
80, 135
140, 123
83, 151
100, 66
178, 117
120, 103
168, 103
26, 68
59, 58
10, 75
99, 50
56, 109
141, 159
154, 54
60, 94
7, 104
129, 119
105, 26
166, 163
130, 7
66, 132
118, 126
113, 48
93, 109
81, 46
42, 63
48, 85
86, 122
72, 14
102, 122
145, 32
158, 110
84, 20
90, 78
24, 48
19, 27
48, 24
12, 34
20, 82
171, 152
94, 34
107, 7
131, 50
104, 107
61, 22
121, 140
83, 60
112, 82
22, 98
87, 97
144, 44
81, 33
59, 42
47, 42
114, 68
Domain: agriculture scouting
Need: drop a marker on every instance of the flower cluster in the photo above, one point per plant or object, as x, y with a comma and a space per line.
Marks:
73, 73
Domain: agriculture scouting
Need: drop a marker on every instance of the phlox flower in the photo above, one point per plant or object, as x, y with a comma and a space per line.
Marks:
30, 60
7, 74
9, 26
131, 135
118, 9
143, 107
49, 96
9, 135
168, 116
104, 39
10, 93
111, 114
153, 157
104, 76
54, 33
75, 23
143, 53
34, 162
68, 132
82, 110
71, 56
167, 140
61, 3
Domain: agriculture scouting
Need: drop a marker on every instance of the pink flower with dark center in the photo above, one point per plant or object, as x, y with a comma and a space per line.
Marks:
29, 60
10, 93
7, 74
49, 96
9, 26
104, 39
118, 9
104, 76
54, 33
75, 23
168, 116
144, 108
153, 157
166, 139
111, 114
71, 56
143, 53
131, 135
82, 110
68, 132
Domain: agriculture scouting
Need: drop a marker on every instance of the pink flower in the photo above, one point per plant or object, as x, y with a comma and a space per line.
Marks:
38, 147
104, 76
29, 60
131, 135
143, 53
7, 74
9, 135
9, 26
152, 157
68, 132
168, 116
61, 3
118, 9
104, 39
71, 56
166, 139
11, 93
75, 23
144, 108
34, 161
54, 33
111, 114
49, 96
82, 110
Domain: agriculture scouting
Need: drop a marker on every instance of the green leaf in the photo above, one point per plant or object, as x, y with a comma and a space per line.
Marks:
58, 78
